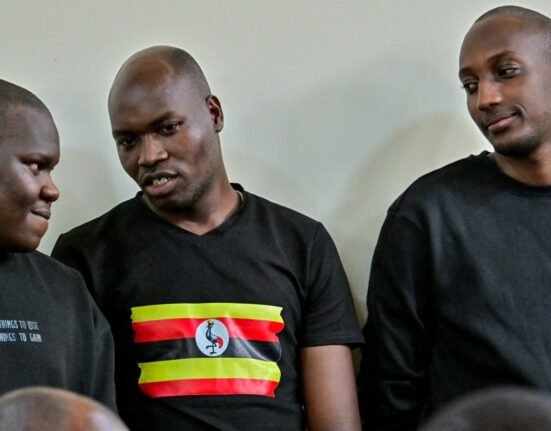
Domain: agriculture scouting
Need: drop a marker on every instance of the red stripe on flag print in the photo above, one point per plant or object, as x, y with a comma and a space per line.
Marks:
171, 329
210, 387
246, 370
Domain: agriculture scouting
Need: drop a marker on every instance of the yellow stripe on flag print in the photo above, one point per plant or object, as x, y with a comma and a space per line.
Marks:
205, 311
208, 368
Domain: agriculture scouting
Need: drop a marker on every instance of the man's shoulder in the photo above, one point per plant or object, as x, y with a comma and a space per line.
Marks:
112, 219
46, 266
264, 207
445, 182
63, 282
458, 171
58, 286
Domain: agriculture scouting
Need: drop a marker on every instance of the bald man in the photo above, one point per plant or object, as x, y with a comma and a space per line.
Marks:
229, 312
48, 409
459, 290
51, 331
495, 409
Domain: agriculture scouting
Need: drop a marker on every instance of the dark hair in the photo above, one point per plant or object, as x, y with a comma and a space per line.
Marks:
528, 15
180, 61
535, 20
184, 63
12, 95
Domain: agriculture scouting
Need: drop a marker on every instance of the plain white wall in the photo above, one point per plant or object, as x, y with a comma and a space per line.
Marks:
331, 107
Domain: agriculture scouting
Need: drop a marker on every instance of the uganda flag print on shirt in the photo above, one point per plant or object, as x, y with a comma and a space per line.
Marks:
207, 349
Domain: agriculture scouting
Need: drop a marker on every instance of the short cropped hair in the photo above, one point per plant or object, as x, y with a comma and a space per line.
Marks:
180, 61
12, 95
495, 409
535, 20
184, 63
520, 12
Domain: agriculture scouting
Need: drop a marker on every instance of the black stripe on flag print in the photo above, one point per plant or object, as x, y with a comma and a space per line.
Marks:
187, 348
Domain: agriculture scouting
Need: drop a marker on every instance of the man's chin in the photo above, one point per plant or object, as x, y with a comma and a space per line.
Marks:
166, 205
515, 148
515, 151
24, 246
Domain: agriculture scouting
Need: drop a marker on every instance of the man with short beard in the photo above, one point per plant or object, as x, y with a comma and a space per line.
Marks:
459, 293
229, 312
51, 331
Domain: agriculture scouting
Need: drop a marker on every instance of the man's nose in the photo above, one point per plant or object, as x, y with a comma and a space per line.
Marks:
152, 151
49, 191
489, 94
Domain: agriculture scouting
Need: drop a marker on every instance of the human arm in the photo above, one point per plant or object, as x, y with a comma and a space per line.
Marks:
330, 328
393, 380
329, 389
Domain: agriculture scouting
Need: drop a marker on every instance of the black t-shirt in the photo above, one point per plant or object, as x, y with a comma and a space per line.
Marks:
51, 331
459, 295
209, 328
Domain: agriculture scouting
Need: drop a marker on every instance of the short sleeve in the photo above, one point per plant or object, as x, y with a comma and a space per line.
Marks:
329, 313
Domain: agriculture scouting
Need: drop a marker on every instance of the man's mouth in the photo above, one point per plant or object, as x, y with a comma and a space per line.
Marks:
157, 179
160, 181
158, 184
499, 123
42, 212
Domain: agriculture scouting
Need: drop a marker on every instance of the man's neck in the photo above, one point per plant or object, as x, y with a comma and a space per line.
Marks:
533, 170
5, 256
211, 212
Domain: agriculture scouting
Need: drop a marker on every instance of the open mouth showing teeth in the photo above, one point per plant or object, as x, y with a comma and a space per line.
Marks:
160, 181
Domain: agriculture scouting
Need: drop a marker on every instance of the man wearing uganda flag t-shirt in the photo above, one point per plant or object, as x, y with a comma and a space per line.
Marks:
229, 312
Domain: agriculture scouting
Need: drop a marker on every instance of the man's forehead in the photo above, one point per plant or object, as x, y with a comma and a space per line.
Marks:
497, 34
18, 112
30, 131
138, 107
147, 84
28, 119
140, 75
495, 29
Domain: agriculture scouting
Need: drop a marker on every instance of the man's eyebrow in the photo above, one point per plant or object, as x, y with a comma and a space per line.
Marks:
42, 156
493, 59
121, 132
464, 71
167, 115
155, 123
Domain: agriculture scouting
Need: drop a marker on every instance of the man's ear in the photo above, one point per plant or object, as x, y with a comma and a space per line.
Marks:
215, 109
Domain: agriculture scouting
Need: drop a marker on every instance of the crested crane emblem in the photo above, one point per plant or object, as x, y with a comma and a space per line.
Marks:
212, 337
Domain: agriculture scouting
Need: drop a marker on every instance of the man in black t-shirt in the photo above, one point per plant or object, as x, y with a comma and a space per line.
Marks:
51, 331
229, 312
459, 289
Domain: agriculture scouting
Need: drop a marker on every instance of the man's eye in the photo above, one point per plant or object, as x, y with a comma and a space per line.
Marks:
35, 167
168, 129
507, 72
126, 142
470, 86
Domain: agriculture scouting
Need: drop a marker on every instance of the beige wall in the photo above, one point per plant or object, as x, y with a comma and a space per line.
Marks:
332, 107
